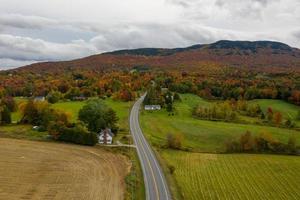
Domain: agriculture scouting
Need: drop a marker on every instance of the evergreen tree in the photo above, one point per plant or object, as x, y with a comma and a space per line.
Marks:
5, 115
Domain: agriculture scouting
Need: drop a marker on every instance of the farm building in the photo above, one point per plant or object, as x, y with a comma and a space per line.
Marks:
106, 136
39, 98
79, 98
152, 107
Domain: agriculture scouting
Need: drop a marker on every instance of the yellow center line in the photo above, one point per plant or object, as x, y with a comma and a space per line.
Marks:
151, 169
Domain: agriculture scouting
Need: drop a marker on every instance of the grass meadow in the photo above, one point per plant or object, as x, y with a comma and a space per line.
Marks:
203, 135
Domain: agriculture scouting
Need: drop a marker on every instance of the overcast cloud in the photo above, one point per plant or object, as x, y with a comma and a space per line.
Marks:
52, 30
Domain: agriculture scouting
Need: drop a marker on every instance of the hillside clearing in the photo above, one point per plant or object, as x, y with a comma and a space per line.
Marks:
235, 176
287, 109
41, 170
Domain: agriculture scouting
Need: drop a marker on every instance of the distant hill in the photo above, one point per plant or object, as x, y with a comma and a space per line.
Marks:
221, 53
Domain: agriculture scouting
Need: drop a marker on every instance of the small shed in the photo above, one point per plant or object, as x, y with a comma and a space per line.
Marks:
106, 136
152, 107
79, 98
39, 98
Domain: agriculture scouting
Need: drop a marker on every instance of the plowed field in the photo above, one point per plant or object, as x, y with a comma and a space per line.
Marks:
41, 170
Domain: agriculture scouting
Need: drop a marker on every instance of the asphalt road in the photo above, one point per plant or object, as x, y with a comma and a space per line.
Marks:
155, 183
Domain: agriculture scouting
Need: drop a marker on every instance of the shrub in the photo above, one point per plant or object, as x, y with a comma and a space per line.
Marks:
5, 115
246, 142
41, 114
177, 97
77, 134
232, 146
171, 169
10, 103
262, 143
291, 146
53, 97
174, 141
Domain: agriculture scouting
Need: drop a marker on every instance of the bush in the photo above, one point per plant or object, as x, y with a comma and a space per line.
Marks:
172, 169
177, 97
10, 103
41, 114
77, 134
174, 141
232, 146
262, 143
5, 115
53, 97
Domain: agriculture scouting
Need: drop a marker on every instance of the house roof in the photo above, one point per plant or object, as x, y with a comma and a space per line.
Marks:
108, 131
39, 98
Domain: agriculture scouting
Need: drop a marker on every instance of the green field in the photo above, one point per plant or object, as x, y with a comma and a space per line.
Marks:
73, 107
235, 176
287, 109
201, 135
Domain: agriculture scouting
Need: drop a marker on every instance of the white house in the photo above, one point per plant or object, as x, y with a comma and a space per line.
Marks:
39, 98
106, 136
152, 107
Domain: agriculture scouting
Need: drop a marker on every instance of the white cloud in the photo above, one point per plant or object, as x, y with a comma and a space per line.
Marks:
21, 21
7, 63
24, 48
57, 30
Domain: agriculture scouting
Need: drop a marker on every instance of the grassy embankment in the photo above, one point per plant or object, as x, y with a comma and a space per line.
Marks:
223, 176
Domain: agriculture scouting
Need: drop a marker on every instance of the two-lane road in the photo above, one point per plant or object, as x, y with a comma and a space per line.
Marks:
155, 182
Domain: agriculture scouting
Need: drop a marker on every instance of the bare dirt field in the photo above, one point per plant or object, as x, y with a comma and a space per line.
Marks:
41, 170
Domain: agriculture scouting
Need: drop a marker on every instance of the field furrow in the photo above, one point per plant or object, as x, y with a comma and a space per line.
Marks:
235, 176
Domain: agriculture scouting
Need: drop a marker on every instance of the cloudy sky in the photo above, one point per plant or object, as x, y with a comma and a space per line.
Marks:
48, 30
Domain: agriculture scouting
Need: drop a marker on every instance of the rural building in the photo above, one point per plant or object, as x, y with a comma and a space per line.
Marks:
164, 90
79, 98
152, 107
106, 136
39, 98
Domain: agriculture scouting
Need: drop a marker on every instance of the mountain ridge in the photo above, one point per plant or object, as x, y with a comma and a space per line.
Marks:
220, 53
222, 44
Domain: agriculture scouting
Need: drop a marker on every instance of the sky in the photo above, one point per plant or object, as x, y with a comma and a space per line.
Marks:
52, 30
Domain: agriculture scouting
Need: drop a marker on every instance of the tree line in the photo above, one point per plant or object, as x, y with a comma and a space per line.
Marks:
93, 117
230, 110
263, 143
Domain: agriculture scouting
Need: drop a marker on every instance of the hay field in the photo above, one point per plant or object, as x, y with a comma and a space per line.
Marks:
41, 170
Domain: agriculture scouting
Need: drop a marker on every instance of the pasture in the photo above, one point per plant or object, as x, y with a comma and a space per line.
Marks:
201, 135
235, 176
287, 109
73, 107
41, 170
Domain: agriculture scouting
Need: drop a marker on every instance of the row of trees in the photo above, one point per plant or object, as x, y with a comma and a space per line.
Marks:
220, 111
212, 83
263, 143
75, 133
71, 84
230, 110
